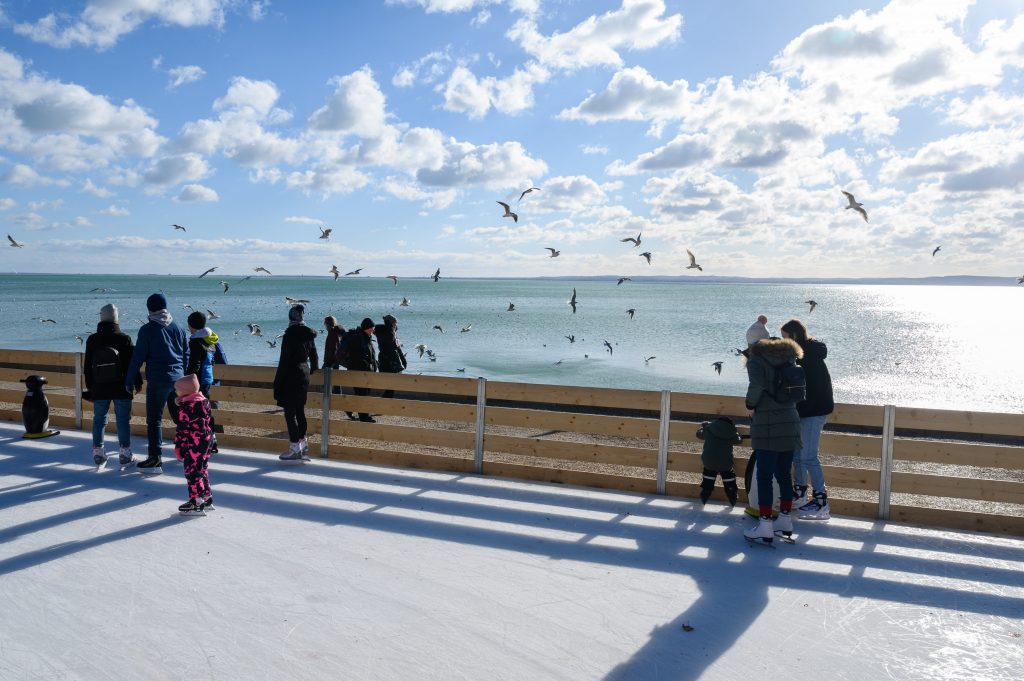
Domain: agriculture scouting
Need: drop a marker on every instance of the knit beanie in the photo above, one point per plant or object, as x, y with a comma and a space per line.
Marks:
366, 324
187, 385
197, 320
756, 332
297, 313
156, 302
108, 313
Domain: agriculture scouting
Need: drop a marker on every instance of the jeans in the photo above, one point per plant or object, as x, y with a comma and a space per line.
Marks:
158, 396
295, 420
805, 460
123, 415
778, 465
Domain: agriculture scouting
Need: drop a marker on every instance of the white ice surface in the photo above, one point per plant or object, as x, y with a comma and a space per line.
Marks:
338, 571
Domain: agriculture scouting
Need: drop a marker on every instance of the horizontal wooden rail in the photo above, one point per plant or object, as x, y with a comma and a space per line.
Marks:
983, 423
259, 420
959, 453
53, 378
388, 457
570, 451
408, 434
999, 491
41, 358
439, 385
539, 419
421, 409
617, 398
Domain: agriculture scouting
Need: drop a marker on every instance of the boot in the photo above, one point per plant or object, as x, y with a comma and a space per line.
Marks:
763, 532
125, 456
799, 495
293, 454
731, 491
191, 507
151, 466
707, 486
815, 509
99, 457
783, 524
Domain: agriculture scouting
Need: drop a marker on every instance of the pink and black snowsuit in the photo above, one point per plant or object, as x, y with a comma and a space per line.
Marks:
192, 442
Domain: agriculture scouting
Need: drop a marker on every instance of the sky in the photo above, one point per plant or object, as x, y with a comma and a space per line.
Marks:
729, 129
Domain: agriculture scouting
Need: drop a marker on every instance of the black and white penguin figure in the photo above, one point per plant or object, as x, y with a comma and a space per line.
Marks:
35, 410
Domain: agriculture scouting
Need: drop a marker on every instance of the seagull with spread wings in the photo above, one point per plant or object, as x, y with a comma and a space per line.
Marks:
349, 274
572, 301
937, 249
508, 212
14, 244
212, 269
405, 302
511, 307
295, 301
531, 189
611, 351
554, 253
437, 275
262, 269
693, 261
718, 367
226, 286
325, 233
647, 255
254, 329
334, 270
631, 311
210, 314
622, 279
636, 241
179, 227
813, 304
438, 327
392, 278
859, 207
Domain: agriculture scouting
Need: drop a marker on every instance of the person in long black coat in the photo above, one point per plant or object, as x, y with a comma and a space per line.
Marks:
363, 357
291, 382
102, 393
390, 356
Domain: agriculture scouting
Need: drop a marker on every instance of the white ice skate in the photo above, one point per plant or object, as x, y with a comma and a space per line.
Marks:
763, 533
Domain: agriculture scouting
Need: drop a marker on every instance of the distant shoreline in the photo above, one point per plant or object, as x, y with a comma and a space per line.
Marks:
952, 280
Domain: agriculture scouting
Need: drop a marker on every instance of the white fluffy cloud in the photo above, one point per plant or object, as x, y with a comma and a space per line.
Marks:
171, 170
191, 193
115, 211
7, 203
27, 176
102, 23
465, 93
356, 107
182, 75
495, 166
449, 6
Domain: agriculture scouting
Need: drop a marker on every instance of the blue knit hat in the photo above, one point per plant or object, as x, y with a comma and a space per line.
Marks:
156, 302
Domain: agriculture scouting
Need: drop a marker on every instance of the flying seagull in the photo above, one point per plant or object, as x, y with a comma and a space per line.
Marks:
693, 261
608, 345
554, 253
179, 227
461, 371
207, 272
646, 254
349, 274
437, 275
508, 212
636, 241
531, 189
43, 320
226, 285
1020, 280
79, 339
859, 207
325, 233
210, 314
511, 307
14, 244
622, 279
295, 301
718, 367
272, 343
255, 329
188, 307
813, 305
100, 290
572, 301
572, 339
438, 327
335, 272
631, 311
392, 278
420, 347
466, 329
405, 302
648, 359
937, 249
262, 269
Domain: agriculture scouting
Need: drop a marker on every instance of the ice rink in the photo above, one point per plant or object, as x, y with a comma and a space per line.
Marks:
340, 571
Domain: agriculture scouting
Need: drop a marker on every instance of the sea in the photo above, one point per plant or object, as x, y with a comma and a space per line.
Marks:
949, 347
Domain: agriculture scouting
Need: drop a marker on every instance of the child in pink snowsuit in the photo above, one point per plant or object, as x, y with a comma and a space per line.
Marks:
192, 442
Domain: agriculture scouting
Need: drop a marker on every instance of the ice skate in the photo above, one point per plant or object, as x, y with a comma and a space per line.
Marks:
783, 528
731, 491
99, 457
294, 456
763, 533
208, 504
125, 456
815, 509
151, 466
799, 495
192, 507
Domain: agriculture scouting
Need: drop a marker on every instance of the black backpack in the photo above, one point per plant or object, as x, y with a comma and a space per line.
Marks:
106, 366
789, 383
347, 346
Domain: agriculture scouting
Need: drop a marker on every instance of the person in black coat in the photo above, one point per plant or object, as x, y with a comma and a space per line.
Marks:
363, 357
291, 382
813, 411
108, 352
390, 356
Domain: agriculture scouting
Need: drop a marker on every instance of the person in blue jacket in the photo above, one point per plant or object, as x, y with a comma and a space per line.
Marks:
204, 350
162, 346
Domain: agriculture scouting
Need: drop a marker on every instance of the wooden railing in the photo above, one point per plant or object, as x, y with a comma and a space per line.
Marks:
634, 440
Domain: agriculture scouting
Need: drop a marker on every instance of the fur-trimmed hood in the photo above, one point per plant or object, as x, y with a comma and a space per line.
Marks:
776, 351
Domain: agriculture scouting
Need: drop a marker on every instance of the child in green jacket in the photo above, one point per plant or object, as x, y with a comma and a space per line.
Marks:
719, 437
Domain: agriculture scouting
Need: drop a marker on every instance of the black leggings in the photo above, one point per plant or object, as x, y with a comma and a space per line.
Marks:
295, 419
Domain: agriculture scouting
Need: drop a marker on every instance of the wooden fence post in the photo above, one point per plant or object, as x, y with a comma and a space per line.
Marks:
325, 414
885, 466
78, 391
481, 405
663, 428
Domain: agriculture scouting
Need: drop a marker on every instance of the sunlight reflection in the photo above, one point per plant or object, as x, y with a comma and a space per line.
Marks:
815, 566
292, 497
623, 497
218, 465
41, 445
832, 543
343, 482
948, 557
696, 552
526, 506
613, 542
463, 522
714, 529
951, 583
646, 521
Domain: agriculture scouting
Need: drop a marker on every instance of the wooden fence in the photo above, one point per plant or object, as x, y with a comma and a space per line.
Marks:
634, 440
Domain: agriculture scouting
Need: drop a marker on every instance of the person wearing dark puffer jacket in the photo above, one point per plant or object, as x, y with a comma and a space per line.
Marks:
291, 382
814, 411
363, 357
107, 384
719, 438
774, 434
390, 356
162, 346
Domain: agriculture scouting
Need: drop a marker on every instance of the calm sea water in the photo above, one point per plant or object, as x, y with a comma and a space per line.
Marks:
936, 346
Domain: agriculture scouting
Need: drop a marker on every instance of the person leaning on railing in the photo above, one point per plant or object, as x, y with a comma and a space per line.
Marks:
390, 356
362, 357
291, 382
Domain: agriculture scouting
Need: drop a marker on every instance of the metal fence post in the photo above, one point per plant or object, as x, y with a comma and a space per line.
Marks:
666, 418
325, 414
885, 466
481, 405
78, 390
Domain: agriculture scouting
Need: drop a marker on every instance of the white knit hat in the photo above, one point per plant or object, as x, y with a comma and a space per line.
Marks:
756, 332
108, 313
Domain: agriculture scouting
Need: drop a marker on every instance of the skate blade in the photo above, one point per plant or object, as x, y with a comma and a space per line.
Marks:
814, 517
151, 471
785, 537
191, 514
293, 462
767, 543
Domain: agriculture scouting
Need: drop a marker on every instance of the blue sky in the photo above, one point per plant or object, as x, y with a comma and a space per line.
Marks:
725, 128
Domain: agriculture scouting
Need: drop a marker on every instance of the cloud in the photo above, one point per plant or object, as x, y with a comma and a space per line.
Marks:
81, 221
635, 95
7, 203
102, 23
465, 93
410, 192
171, 170
196, 193
592, 149
1008, 175
182, 75
569, 194
990, 108
637, 25
450, 6
494, 166
27, 176
115, 211
425, 70
91, 188
303, 220
356, 107
327, 178
684, 151
482, 17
